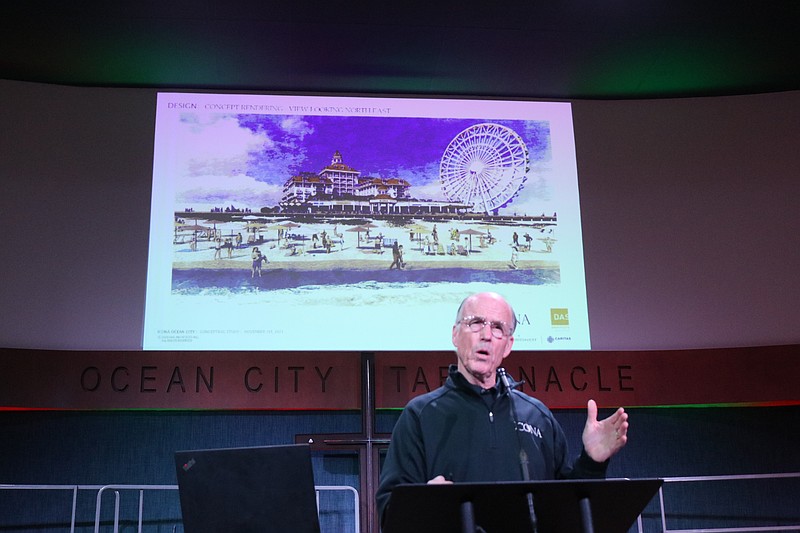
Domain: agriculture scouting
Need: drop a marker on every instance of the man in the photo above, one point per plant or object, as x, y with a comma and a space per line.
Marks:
469, 431
397, 258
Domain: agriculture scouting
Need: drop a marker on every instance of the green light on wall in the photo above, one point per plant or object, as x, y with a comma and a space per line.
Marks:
663, 68
154, 63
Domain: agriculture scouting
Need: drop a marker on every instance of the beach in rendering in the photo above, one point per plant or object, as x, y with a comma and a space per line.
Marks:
362, 245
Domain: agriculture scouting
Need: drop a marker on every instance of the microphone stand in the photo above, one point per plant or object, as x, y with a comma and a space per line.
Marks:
523, 457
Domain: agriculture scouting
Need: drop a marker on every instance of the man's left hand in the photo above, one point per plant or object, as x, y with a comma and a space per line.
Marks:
604, 438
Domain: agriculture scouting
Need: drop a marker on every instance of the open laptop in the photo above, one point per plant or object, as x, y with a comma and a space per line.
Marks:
247, 490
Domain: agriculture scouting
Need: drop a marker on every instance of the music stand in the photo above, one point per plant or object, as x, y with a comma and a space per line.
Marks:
568, 506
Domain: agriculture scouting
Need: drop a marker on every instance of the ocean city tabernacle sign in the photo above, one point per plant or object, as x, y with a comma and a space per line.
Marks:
43, 379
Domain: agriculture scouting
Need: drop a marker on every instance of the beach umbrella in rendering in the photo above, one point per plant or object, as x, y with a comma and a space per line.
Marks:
195, 229
288, 224
180, 226
418, 229
255, 227
358, 229
487, 228
471, 232
368, 226
548, 242
213, 224
276, 227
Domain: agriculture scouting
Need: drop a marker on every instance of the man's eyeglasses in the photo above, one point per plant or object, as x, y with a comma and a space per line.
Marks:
498, 328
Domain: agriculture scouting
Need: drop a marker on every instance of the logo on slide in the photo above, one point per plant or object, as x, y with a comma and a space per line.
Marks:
559, 316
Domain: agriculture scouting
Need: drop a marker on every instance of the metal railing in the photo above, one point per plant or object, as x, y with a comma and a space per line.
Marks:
745, 477
101, 490
116, 489
72, 488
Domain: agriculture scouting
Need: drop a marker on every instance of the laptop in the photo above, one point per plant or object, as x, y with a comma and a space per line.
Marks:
247, 490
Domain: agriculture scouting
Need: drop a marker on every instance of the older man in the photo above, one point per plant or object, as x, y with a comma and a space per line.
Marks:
469, 430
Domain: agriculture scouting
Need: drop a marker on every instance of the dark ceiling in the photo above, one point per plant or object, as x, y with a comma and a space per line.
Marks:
511, 48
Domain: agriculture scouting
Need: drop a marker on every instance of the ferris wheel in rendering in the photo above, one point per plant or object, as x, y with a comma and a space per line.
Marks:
485, 165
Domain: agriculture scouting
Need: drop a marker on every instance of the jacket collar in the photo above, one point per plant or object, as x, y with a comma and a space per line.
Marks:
457, 380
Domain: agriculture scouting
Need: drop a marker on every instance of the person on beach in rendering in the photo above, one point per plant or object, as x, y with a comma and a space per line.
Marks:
258, 258
397, 258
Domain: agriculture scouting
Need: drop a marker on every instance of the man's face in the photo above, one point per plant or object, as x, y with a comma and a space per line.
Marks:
479, 352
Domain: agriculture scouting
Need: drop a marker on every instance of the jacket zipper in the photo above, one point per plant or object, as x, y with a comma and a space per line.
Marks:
492, 430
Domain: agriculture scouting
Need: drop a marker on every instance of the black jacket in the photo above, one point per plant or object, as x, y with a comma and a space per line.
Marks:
467, 435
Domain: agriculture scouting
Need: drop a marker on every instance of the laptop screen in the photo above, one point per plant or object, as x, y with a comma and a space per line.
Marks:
257, 489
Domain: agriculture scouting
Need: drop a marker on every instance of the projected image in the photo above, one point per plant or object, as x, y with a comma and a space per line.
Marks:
283, 222
432, 202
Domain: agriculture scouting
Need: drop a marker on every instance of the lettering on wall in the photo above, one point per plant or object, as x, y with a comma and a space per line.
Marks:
47, 379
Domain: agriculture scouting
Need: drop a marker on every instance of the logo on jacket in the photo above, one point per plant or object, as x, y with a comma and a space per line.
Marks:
527, 428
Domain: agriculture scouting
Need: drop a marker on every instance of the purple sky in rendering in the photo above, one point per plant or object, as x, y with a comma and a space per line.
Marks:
409, 148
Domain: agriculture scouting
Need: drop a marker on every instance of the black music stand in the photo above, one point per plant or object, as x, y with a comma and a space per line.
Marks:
579, 506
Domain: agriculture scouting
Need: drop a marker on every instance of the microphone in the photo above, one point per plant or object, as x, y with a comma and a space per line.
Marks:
503, 375
523, 457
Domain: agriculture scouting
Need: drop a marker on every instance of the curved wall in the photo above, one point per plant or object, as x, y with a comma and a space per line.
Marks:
689, 214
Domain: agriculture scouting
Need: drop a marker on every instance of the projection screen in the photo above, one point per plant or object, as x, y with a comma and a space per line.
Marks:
285, 222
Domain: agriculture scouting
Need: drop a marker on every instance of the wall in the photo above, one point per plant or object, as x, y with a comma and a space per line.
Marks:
690, 231
690, 236
137, 447
689, 219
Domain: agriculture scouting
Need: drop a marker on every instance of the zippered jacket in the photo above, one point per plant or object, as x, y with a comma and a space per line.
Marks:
469, 435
